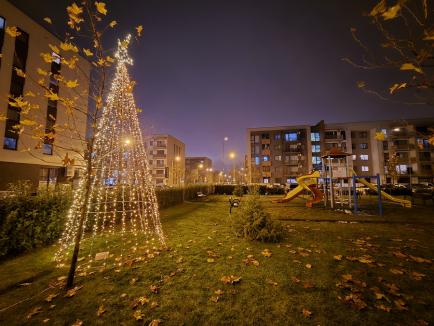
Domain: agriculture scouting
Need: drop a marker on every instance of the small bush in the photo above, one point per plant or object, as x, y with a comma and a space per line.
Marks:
238, 191
253, 223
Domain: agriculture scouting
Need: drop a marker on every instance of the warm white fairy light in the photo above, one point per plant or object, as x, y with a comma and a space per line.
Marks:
122, 196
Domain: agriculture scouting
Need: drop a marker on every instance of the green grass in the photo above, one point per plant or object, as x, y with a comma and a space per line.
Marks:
267, 294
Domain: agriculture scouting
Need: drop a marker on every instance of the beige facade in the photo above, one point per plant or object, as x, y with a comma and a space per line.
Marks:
199, 169
20, 157
166, 156
280, 154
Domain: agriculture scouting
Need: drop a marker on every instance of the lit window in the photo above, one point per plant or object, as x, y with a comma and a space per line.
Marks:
278, 158
257, 160
10, 143
266, 180
316, 160
354, 157
291, 136
316, 148
365, 168
401, 168
363, 146
47, 149
384, 131
266, 158
291, 181
364, 157
314, 136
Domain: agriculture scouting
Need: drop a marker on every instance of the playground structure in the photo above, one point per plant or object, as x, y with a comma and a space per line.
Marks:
339, 185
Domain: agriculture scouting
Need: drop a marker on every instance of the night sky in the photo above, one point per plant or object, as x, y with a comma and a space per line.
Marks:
209, 69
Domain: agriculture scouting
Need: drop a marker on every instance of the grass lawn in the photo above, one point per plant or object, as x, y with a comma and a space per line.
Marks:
332, 268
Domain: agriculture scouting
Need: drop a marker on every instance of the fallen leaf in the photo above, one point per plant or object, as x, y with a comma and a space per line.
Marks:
214, 299
138, 315
295, 279
34, 311
382, 307
271, 282
78, 322
210, 260
338, 257
155, 322
306, 313
396, 271
154, 289
309, 266
154, 304
230, 279
400, 304
51, 297
101, 311
417, 276
399, 254
72, 292
219, 292
420, 259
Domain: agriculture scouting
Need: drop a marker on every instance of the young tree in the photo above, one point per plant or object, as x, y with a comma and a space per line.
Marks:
86, 27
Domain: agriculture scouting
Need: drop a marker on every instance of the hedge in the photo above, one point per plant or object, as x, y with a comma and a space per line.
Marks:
173, 196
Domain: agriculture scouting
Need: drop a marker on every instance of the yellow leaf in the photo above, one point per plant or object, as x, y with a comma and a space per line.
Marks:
20, 72
210, 260
41, 72
52, 96
48, 20
71, 83
113, 23
395, 87
74, 9
101, 311
361, 84
27, 122
138, 315
100, 7
379, 136
109, 59
338, 257
410, 66
54, 48
392, 12
30, 94
47, 57
266, 253
68, 47
378, 9
88, 52
12, 31
139, 30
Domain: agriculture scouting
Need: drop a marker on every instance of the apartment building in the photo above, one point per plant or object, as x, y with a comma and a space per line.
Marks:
22, 157
277, 155
166, 156
198, 170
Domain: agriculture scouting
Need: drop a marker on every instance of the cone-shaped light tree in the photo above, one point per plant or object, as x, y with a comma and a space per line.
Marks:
116, 194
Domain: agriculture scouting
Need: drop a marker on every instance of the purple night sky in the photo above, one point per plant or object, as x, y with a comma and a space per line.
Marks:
209, 69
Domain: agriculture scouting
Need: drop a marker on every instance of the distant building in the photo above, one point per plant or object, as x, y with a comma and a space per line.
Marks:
280, 154
43, 166
166, 156
198, 170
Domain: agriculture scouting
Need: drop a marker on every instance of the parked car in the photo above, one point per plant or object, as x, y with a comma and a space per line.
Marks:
420, 188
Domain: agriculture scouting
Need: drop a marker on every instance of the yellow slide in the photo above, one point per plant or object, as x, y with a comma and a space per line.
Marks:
303, 184
403, 202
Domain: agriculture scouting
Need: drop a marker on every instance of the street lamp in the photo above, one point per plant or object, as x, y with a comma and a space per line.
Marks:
232, 157
225, 139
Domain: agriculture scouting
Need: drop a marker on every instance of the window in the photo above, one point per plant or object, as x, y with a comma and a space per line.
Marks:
266, 158
266, 180
364, 157
160, 163
161, 143
256, 138
401, 168
316, 148
363, 134
47, 149
10, 143
265, 169
48, 176
159, 172
363, 146
314, 136
365, 168
2, 34
316, 160
150, 162
385, 145
291, 136
160, 152
257, 160
278, 158
265, 136
331, 135
265, 146
354, 156
384, 131
291, 181
353, 146
276, 136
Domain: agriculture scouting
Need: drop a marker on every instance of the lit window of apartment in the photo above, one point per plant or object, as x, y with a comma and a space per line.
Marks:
291, 136
365, 168
316, 160
278, 158
257, 160
384, 131
402, 168
276, 136
266, 180
354, 156
364, 157
363, 145
266, 158
316, 148
314, 136
291, 180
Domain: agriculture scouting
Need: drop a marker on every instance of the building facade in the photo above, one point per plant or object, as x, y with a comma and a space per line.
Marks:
22, 157
198, 170
166, 156
399, 151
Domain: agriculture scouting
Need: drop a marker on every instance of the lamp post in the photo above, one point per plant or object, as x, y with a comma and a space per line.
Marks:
199, 167
232, 157
225, 139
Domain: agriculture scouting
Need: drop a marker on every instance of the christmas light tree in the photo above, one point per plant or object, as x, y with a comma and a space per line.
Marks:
116, 198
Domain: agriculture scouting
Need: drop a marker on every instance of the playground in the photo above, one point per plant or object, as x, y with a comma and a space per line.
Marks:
331, 268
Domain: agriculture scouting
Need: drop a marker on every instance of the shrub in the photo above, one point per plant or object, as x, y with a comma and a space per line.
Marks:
27, 221
238, 191
172, 196
252, 222
223, 189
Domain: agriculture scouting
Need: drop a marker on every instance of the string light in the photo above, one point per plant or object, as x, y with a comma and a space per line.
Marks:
121, 194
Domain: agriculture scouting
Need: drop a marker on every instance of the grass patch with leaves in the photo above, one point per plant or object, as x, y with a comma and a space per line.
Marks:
320, 273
